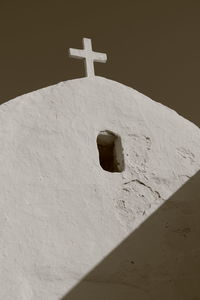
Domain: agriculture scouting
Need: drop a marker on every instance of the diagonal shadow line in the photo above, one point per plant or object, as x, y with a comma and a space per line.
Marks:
159, 260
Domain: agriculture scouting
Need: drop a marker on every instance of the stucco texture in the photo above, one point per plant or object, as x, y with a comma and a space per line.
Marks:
60, 212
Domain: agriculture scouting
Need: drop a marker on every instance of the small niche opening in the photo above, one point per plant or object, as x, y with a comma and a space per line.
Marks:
110, 151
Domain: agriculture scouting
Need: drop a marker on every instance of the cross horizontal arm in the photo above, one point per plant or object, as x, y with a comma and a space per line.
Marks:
76, 53
99, 57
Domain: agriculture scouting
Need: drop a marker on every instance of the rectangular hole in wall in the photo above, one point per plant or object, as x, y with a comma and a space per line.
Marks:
110, 151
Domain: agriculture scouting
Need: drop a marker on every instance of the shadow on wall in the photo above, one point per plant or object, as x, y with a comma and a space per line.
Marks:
159, 260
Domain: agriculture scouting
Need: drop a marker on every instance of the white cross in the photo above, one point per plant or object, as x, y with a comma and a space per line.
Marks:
89, 56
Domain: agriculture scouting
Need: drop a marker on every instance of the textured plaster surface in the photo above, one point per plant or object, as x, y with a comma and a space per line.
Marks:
60, 212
